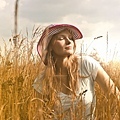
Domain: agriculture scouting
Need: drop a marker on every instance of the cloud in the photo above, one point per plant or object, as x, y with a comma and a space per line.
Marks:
3, 4
90, 16
6, 19
51, 11
44, 11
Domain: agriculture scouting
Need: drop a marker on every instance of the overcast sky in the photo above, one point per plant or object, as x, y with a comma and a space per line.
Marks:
93, 17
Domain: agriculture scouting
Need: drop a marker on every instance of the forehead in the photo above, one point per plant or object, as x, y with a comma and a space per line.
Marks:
64, 32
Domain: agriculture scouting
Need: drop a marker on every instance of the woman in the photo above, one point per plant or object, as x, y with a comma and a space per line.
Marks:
67, 80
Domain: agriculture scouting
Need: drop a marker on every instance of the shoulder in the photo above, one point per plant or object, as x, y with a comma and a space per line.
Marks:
88, 66
87, 60
37, 85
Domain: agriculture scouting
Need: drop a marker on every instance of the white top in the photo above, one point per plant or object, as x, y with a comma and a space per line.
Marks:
88, 70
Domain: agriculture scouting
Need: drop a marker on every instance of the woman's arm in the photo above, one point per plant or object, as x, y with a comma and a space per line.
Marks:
106, 83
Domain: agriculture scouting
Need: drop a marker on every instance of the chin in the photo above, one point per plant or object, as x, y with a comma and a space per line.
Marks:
69, 54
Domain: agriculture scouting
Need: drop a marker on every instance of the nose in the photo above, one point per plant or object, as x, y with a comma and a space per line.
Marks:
68, 40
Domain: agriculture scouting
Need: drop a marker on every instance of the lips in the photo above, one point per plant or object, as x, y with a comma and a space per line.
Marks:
68, 47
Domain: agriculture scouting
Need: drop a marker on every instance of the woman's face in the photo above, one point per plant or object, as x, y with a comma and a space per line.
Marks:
62, 44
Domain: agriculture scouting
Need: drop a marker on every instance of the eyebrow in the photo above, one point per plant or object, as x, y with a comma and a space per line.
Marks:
69, 35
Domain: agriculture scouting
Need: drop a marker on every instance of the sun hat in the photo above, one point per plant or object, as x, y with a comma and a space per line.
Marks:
49, 32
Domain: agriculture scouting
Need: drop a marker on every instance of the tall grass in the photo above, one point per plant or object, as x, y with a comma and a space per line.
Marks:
19, 101
18, 69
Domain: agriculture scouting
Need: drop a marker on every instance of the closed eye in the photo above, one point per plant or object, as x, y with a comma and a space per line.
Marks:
63, 37
71, 38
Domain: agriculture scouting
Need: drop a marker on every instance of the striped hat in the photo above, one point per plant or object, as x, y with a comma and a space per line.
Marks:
49, 32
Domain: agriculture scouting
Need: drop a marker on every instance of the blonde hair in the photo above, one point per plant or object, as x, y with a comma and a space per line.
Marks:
50, 74
50, 84
72, 65
72, 69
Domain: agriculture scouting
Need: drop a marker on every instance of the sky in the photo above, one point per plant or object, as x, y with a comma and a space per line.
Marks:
93, 17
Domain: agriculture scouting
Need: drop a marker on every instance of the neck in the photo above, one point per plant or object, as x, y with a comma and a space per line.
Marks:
61, 67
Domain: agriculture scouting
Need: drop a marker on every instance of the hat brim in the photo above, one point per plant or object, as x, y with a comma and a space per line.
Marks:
52, 30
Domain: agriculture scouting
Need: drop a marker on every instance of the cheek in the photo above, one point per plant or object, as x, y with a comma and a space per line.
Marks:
57, 47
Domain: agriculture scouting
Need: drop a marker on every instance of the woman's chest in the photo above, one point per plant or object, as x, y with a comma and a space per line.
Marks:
85, 95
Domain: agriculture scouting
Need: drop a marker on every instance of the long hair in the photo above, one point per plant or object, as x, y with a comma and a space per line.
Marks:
50, 84
50, 73
72, 67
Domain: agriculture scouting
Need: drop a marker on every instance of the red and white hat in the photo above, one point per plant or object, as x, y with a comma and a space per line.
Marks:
52, 30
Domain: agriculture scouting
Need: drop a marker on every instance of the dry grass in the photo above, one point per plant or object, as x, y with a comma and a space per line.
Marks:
18, 69
18, 100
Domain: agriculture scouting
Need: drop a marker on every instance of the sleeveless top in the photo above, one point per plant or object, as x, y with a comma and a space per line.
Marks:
86, 94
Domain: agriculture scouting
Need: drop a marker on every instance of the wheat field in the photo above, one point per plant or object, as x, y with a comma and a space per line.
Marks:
18, 69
